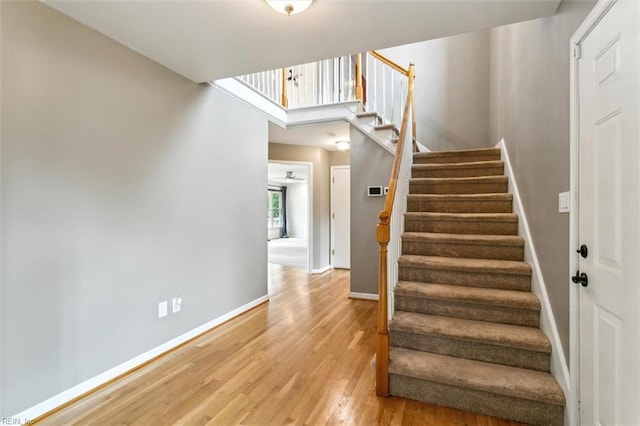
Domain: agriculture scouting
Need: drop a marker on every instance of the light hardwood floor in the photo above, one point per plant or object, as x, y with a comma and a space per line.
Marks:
302, 358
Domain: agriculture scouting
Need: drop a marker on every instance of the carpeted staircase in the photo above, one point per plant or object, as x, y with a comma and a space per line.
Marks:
465, 329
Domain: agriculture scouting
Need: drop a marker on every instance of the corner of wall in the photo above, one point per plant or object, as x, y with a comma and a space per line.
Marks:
370, 166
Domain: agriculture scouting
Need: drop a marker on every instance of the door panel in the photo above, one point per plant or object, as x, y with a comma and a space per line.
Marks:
609, 216
341, 217
607, 242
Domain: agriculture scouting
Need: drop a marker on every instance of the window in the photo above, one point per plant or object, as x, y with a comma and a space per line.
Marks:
274, 209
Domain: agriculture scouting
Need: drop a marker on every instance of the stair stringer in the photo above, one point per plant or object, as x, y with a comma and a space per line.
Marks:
375, 135
559, 365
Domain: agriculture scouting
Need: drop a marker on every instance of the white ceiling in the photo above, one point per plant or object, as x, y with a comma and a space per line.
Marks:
205, 40
324, 135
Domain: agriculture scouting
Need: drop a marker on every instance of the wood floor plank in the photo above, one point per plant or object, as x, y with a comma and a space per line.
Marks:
302, 358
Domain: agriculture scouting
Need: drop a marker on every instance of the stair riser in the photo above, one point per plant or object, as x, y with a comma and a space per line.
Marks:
460, 227
506, 407
515, 357
445, 206
458, 188
456, 159
475, 251
465, 278
455, 173
455, 309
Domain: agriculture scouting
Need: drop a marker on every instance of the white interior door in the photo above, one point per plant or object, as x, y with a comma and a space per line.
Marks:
341, 217
609, 204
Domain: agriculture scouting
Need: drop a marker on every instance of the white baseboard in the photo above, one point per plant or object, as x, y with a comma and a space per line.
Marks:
559, 365
422, 148
365, 296
321, 270
86, 386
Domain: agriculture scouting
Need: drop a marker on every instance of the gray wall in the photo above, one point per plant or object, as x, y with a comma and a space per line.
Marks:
370, 166
530, 110
115, 196
320, 193
339, 158
451, 90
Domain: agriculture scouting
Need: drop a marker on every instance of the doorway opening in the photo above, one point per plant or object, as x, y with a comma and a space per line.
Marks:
289, 214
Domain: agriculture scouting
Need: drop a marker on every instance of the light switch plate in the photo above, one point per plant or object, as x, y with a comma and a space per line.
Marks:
163, 310
564, 202
176, 303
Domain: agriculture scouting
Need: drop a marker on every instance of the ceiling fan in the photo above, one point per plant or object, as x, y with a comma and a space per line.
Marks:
294, 77
290, 177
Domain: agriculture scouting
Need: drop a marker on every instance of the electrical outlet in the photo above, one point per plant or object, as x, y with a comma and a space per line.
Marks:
163, 309
564, 202
176, 302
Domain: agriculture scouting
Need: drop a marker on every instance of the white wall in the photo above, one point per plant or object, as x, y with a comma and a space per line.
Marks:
451, 89
297, 210
116, 195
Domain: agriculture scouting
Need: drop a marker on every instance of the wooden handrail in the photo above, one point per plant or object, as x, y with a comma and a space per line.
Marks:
414, 130
389, 62
383, 235
393, 179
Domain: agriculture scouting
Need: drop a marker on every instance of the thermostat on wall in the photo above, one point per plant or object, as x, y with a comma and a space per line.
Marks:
374, 191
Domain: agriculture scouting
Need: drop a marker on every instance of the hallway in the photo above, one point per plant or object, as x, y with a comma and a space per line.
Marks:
290, 251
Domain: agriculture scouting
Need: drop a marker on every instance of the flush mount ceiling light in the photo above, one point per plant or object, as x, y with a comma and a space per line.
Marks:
342, 145
289, 7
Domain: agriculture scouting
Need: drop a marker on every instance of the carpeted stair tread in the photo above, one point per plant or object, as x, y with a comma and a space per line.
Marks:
367, 114
464, 198
505, 335
459, 166
461, 152
480, 155
477, 375
460, 180
472, 295
505, 247
465, 217
389, 126
461, 203
462, 223
459, 185
498, 240
464, 169
508, 267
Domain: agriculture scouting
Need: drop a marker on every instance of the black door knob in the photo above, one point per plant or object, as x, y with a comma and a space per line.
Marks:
583, 251
581, 278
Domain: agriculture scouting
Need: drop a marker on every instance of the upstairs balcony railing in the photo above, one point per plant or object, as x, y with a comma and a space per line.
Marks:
379, 83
